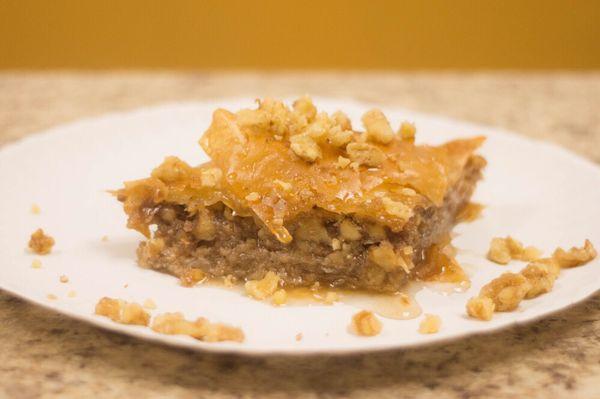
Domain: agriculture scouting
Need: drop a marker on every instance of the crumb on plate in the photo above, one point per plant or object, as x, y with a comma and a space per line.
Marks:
364, 323
35, 209
122, 312
63, 279
430, 324
201, 329
40, 243
36, 264
149, 304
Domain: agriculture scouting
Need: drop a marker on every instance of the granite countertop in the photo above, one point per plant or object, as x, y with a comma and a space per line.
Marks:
44, 354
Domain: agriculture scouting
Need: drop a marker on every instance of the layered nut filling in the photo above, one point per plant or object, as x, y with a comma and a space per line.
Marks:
302, 194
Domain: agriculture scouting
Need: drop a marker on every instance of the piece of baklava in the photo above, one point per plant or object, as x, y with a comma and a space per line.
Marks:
301, 193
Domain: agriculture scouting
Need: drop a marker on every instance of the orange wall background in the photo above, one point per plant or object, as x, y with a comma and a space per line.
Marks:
269, 34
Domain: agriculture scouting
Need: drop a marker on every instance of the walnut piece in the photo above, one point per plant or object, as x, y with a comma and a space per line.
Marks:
211, 176
305, 147
122, 312
481, 308
503, 250
264, 288
191, 277
365, 154
396, 208
201, 329
541, 278
575, 256
365, 324
507, 291
305, 106
407, 131
377, 127
349, 230
40, 243
279, 297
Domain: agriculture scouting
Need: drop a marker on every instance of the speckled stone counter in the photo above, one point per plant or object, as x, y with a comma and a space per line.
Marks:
43, 354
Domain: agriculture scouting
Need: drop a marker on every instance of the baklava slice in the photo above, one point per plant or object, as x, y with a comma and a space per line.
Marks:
304, 195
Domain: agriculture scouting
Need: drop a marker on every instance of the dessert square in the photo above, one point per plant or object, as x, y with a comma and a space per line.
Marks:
300, 193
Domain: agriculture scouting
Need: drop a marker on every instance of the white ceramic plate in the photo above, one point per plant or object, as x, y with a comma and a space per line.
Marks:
537, 192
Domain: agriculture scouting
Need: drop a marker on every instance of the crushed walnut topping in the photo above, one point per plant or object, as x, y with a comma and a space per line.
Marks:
365, 154
377, 127
575, 256
305, 147
252, 197
503, 250
364, 323
211, 176
41, 243
122, 312
407, 131
264, 288
481, 308
201, 329
430, 324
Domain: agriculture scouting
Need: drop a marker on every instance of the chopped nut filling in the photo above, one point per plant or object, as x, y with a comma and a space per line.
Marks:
192, 277
41, 243
430, 324
575, 256
365, 154
201, 329
481, 308
279, 297
261, 289
122, 312
365, 323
